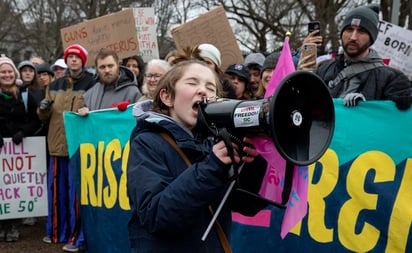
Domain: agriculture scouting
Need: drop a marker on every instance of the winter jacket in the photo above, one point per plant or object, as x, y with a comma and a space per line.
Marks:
14, 116
102, 96
169, 200
380, 83
67, 94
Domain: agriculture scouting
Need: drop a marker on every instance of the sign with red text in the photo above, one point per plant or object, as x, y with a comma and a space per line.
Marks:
212, 27
146, 33
395, 43
23, 178
116, 31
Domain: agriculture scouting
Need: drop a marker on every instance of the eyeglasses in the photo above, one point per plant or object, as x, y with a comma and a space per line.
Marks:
155, 76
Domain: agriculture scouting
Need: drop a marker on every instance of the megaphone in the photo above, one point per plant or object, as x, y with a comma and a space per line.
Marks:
299, 117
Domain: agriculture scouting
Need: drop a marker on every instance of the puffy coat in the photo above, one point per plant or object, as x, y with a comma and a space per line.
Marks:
66, 93
14, 117
170, 201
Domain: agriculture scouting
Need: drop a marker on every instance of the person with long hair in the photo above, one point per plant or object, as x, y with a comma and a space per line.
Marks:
137, 65
18, 119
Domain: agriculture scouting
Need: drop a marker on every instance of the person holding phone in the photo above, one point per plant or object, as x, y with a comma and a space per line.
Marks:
309, 48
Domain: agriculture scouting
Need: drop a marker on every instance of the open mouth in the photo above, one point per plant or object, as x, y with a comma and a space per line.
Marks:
196, 106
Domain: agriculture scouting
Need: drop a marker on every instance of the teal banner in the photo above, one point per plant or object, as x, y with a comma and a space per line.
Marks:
359, 191
98, 150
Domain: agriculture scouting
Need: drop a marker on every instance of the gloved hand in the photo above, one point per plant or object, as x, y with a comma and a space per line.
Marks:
122, 106
352, 99
18, 137
45, 104
403, 103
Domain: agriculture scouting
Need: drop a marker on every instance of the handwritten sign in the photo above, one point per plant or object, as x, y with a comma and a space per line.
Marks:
23, 178
116, 31
212, 27
146, 33
395, 43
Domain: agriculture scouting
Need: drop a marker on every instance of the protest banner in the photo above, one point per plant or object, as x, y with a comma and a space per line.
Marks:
358, 192
146, 33
395, 43
116, 31
23, 178
212, 27
99, 167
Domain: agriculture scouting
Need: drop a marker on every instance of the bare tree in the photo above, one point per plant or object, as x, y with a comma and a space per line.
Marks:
10, 24
405, 12
259, 25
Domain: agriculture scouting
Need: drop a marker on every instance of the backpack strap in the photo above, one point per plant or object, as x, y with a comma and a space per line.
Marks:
222, 237
352, 70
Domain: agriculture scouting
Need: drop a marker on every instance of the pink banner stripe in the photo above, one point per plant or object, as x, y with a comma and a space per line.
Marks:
261, 219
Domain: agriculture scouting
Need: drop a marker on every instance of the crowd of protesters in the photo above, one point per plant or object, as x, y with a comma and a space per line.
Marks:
34, 95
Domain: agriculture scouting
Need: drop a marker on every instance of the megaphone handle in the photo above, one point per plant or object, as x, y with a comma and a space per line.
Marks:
219, 208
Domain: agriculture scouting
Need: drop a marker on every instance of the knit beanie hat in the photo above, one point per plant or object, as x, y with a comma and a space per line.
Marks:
7, 60
77, 50
44, 68
365, 17
26, 64
254, 59
211, 52
271, 61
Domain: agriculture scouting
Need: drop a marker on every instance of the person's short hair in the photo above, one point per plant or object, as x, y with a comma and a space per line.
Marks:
169, 80
105, 52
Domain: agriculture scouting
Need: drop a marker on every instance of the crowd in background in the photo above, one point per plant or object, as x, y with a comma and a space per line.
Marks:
34, 95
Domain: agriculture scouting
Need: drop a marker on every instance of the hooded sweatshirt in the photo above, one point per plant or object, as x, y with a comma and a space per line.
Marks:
102, 96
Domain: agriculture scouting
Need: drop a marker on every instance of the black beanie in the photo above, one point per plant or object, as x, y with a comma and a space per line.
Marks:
365, 17
44, 68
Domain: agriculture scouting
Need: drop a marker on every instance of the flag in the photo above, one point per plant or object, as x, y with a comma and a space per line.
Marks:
283, 67
272, 185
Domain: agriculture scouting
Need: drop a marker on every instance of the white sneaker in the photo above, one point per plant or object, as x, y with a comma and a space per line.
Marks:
47, 239
70, 248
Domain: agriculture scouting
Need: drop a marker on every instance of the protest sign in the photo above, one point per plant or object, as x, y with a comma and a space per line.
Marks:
395, 43
212, 27
116, 31
23, 178
146, 33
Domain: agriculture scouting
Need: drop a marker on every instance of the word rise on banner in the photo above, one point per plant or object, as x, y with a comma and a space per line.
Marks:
100, 185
